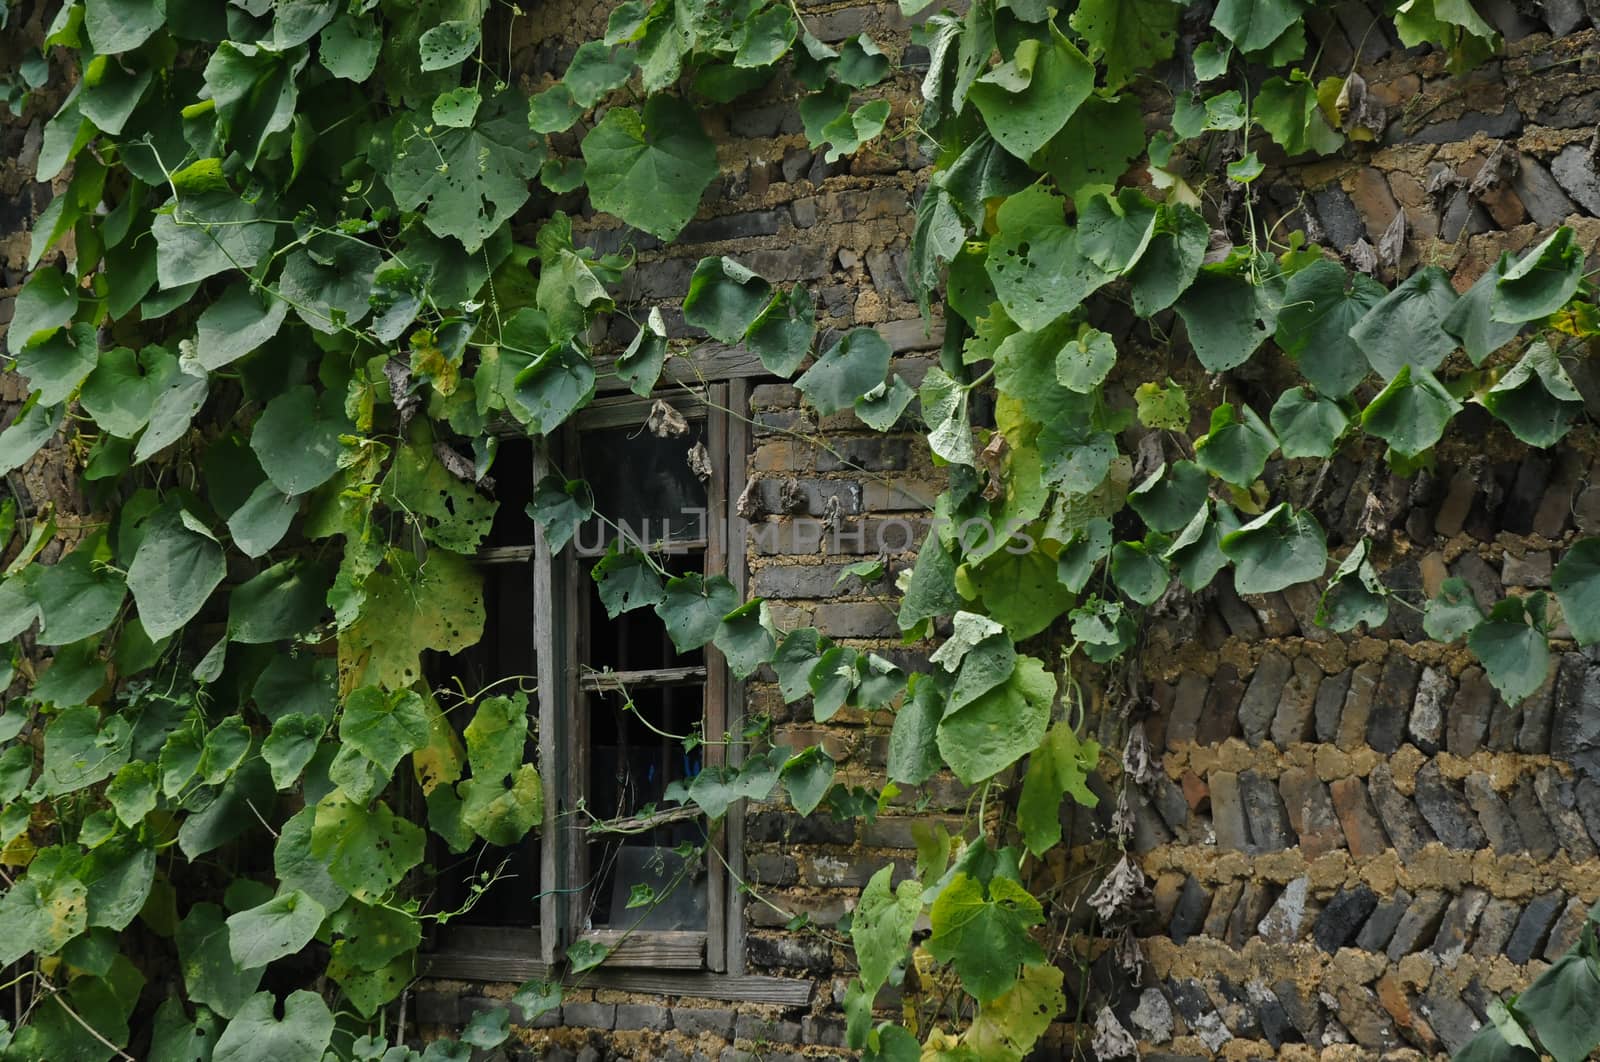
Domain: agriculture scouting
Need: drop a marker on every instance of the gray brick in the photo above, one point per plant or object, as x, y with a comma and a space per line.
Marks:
1264, 813
1499, 825
1533, 928
1418, 925
1538, 835
1426, 726
1330, 702
702, 1021
1380, 926
1456, 927
1564, 934
1357, 711
1227, 811
1391, 705
1261, 697
1469, 713
1295, 721
589, 1015
1446, 811
1558, 799
643, 1016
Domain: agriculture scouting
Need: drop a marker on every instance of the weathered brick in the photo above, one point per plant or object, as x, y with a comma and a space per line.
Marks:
1294, 721
1558, 799
1499, 825
1228, 811
1330, 702
1469, 713
1391, 704
1362, 831
589, 1015
1358, 705
1219, 719
1418, 925
1189, 915
702, 1021
1265, 817
1223, 901
1538, 835
1564, 934
1495, 926
1261, 697
1426, 725
1380, 925
1311, 812
1446, 811
1343, 917
1533, 927
1455, 928
643, 1016
1291, 914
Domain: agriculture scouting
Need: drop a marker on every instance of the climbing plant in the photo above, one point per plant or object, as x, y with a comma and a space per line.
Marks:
278, 305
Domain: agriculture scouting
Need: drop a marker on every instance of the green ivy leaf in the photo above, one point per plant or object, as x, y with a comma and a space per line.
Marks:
985, 936
944, 409
766, 37
1254, 24
725, 299
1026, 100
881, 926
255, 91
1453, 613
1541, 282
1162, 407
1077, 562
1197, 551
745, 638
44, 909
1008, 1028
1129, 36
209, 972
284, 601
262, 521
852, 367
1577, 585
177, 565
281, 926
1537, 400
1137, 573
1169, 498
1321, 304
382, 726
626, 581
1098, 144
331, 288
290, 746
366, 851
882, 407
28, 433
448, 43
1471, 319
1276, 550
693, 607
348, 47
1061, 765
1237, 446
210, 233
1291, 114
1228, 315
44, 305
256, 1034
237, 323
1515, 654
1411, 413
1115, 231
559, 507
1354, 595
297, 439
78, 596
807, 776
1406, 326
1019, 589
781, 336
122, 25
470, 181
650, 171
1307, 424
981, 738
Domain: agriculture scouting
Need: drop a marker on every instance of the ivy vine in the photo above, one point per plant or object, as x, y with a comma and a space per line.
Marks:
278, 305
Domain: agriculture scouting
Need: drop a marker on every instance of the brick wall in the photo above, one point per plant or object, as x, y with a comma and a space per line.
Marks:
1352, 844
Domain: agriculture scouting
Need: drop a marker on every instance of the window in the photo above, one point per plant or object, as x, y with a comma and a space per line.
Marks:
614, 699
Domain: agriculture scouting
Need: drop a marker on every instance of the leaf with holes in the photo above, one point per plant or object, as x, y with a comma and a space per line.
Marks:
1038, 268
626, 581
1026, 100
1059, 767
1229, 316
984, 934
559, 507
1453, 613
1115, 231
881, 926
998, 727
1128, 36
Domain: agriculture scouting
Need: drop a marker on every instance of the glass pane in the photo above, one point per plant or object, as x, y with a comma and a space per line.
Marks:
643, 483
512, 473
637, 640
632, 761
505, 652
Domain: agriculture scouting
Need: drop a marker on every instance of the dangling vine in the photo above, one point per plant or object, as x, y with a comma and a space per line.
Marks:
278, 306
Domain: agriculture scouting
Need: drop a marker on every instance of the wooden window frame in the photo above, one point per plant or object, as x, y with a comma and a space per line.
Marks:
709, 963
